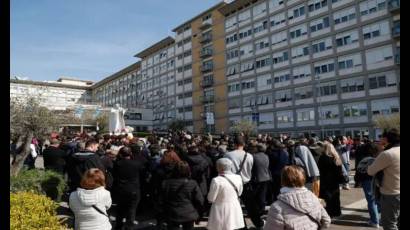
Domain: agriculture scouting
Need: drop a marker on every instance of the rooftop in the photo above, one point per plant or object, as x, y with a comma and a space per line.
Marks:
73, 79
118, 74
52, 84
157, 46
236, 5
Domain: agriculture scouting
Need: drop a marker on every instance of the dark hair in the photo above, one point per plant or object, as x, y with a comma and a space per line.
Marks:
182, 170
240, 141
392, 136
125, 152
252, 148
372, 149
91, 142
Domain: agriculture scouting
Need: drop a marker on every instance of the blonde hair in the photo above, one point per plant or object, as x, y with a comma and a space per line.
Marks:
330, 151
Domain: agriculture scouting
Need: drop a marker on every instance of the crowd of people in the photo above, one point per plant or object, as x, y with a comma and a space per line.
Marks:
183, 178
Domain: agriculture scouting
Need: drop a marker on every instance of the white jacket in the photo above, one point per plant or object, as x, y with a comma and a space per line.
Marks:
226, 211
86, 217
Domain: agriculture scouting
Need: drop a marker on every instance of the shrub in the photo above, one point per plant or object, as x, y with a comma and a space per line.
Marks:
48, 183
32, 211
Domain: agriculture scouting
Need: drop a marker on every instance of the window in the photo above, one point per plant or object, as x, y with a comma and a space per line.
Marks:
371, 6
248, 84
230, 54
284, 116
249, 101
296, 12
324, 68
234, 87
234, 103
327, 89
187, 81
355, 109
231, 38
329, 112
245, 15
319, 24
348, 62
283, 96
247, 66
301, 72
187, 67
262, 62
298, 31
303, 93
385, 106
232, 70
378, 82
305, 115
300, 51
230, 22
275, 3
343, 16
280, 57
376, 30
180, 69
259, 9
347, 38
262, 44
277, 20
187, 53
133, 116
378, 55
244, 33
278, 38
321, 45
246, 49
352, 85
261, 26
264, 99
282, 77
316, 5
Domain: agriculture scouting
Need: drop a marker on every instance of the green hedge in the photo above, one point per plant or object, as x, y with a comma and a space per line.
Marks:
38, 181
33, 211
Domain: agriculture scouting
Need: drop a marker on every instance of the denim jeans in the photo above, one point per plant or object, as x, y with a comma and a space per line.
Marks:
371, 201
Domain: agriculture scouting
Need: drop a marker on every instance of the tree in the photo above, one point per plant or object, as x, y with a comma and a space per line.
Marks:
27, 120
387, 122
177, 125
244, 126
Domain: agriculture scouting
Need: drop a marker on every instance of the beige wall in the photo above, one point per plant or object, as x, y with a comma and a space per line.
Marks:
219, 86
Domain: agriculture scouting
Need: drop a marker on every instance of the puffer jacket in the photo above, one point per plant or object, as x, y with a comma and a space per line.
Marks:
87, 217
282, 216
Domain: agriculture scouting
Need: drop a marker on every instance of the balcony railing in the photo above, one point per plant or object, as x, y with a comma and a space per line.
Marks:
394, 5
206, 38
206, 24
207, 83
206, 53
208, 99
206, 68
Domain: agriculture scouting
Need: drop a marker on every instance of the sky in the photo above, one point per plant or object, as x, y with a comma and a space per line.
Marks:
89, 39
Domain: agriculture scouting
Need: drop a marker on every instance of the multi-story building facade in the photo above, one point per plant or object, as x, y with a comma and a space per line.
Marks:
322, 66
319, 66
59, 95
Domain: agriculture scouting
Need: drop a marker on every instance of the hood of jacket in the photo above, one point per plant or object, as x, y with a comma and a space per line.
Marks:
299, 198
90, 197
82, 156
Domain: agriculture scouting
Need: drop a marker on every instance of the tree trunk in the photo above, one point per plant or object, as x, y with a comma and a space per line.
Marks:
21, 155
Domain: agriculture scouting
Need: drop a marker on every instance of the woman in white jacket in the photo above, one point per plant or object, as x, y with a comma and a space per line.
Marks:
226, 211
90, 202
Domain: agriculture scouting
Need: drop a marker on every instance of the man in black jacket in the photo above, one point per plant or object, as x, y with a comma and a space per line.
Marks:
54, 157
81, 161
